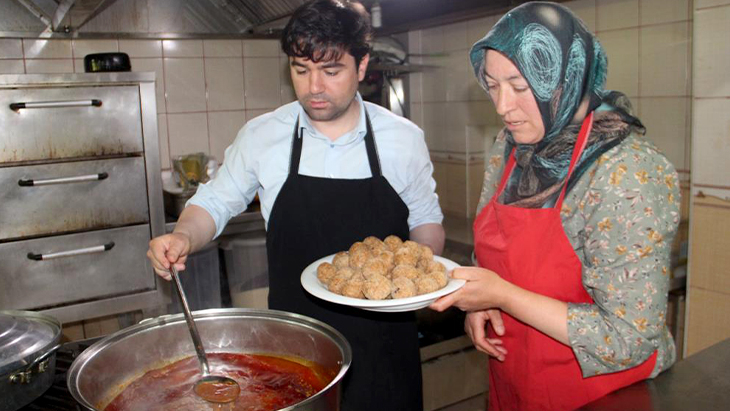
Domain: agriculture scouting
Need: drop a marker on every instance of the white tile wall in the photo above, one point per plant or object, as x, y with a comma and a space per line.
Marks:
224, 82
11, 49
224, 127
141, 48
12, 67
155, 65
478, 28
666, 124
163, 141
622, 47
261, 48
664, 62
432, 40
711, 141
47, 49
617, 14
83, 47
43, 66
663, 11
184, 85
188, 133
711, 52
222, 48
262, 82
699, 4
182, 48
585, 10
455, 37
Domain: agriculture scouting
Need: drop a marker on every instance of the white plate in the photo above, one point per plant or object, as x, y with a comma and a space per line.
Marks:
311, 283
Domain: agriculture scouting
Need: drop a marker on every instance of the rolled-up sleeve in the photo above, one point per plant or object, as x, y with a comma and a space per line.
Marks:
631, 214
233, 187
420, 192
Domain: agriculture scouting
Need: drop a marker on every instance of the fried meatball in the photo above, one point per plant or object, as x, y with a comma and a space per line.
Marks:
374, 266
325, 272
388, 258
407, 271
375, 244
441, 278
341, 259
354, 286
405, 255
414, 247
425, 285
358, 245
403, 288
434, 266
393, 242
338, 281
359, 256
426, 253
377, 287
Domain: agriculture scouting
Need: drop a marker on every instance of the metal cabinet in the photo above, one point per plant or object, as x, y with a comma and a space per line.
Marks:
81, 193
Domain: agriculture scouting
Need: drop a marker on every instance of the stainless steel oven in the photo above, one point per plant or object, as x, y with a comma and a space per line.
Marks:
81, 193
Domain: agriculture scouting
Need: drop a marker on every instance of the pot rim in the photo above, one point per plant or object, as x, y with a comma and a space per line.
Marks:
25, 361
76, 368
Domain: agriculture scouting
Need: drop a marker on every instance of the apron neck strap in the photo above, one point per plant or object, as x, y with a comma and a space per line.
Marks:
296, 151
580, 145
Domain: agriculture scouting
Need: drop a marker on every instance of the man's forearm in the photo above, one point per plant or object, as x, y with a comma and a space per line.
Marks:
431, 235
197, 225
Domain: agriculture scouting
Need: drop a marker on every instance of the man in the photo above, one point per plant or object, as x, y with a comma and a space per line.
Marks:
330, 170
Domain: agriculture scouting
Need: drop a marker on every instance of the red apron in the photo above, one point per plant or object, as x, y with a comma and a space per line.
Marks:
529, 248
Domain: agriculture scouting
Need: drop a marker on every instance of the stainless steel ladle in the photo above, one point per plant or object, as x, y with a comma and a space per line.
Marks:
212, 388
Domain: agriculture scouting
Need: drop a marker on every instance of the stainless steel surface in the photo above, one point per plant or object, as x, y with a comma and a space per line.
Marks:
55, 104
35, 210
31, 284
197, 342
28, 342
156, 342
54, 133
699, 382
117, 139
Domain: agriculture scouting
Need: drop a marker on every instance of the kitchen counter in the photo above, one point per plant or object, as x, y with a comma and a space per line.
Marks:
699, 382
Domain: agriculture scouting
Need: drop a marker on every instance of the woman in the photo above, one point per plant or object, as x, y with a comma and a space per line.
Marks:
574, 227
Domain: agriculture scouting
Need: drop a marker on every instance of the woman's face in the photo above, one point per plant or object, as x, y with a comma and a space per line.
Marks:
513, 98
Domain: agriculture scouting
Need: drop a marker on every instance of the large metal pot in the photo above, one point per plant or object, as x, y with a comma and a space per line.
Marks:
105, 368
28, 344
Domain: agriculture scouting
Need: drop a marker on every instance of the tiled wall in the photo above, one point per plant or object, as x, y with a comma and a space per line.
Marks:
708, 303
649, 52
206, 89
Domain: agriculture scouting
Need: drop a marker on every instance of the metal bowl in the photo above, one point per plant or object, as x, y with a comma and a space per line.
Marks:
104, 369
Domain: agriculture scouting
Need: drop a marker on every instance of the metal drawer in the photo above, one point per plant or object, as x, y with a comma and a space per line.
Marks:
67, 197
26, 283
60, 122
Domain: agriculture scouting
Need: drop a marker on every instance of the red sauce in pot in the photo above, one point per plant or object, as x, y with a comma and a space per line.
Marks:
267, 384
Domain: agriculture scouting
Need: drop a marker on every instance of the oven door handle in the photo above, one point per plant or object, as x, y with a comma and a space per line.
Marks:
62, 180
55, 104
80, 251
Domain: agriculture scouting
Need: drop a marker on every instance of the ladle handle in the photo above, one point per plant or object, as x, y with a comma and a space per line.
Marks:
191, 324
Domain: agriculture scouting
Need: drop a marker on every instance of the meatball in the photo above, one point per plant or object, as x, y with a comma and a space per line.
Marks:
426, 253
434, 266
358, 245
338, 281
426, 284
341, 259
388, 258
414, 247
374, 266
393, 242
354, 286
325, 272
375, 244
406, 271
441, 278
359, 256
405, 255
377, 287
403, 288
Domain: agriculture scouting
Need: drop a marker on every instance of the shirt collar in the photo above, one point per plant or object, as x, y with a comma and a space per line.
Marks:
356, 134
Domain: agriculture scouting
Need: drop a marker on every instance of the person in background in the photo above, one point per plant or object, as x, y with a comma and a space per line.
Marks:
329, 170
575, 224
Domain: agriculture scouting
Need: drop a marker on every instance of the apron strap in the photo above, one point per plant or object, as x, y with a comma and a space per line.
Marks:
580, 145
372, 150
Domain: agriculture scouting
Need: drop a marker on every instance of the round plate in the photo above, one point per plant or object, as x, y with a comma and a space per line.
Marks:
311, 283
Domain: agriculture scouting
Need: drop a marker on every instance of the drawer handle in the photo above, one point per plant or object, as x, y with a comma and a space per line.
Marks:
56, 104
89, 250
63, 180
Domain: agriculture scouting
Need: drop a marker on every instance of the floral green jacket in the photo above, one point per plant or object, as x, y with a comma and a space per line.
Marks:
621, 218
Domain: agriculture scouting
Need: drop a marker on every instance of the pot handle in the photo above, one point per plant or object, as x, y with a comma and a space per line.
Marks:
25, 376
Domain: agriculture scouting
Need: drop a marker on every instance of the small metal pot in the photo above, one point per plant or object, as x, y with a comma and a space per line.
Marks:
28, 344
103, 370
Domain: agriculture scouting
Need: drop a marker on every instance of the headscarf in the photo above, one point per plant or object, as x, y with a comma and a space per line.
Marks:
564, 64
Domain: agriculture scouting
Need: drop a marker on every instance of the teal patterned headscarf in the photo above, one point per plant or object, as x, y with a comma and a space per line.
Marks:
564, 64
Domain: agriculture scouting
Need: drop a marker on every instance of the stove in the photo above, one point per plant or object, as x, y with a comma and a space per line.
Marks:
58, 397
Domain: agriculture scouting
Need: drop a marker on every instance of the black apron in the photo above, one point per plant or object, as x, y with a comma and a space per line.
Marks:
314, 217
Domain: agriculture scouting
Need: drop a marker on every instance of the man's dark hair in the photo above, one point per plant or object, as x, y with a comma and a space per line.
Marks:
322, 30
